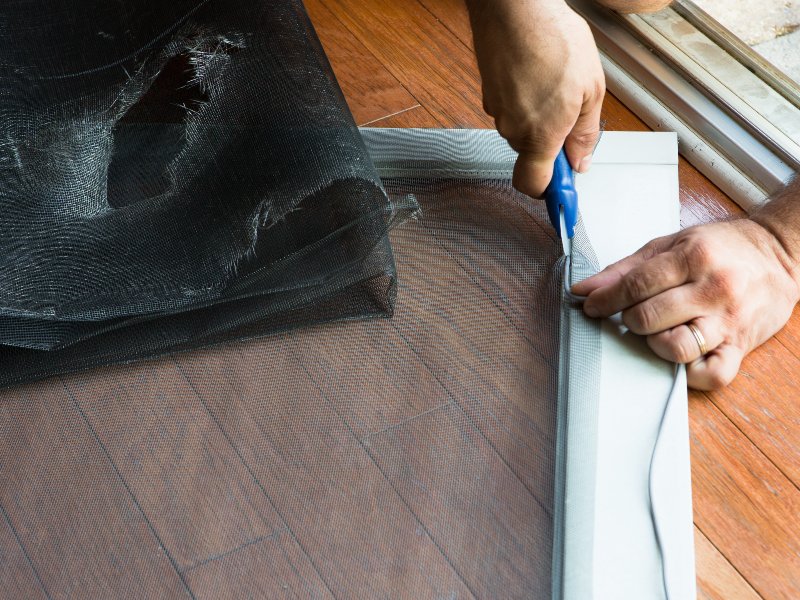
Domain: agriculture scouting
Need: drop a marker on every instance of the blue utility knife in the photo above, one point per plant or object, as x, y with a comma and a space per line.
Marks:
562, 201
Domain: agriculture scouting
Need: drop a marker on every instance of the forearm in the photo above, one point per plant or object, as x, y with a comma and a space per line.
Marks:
536, 17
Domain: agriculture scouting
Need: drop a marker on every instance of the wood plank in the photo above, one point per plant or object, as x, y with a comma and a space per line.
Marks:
747, 508
434, 66
269, 568
759, 403
454, 15
485, 521
413, 117
509, 398
173, 457
790, 335
716, 577
18, 579
82, 530
371, 91
368, 373
362, 539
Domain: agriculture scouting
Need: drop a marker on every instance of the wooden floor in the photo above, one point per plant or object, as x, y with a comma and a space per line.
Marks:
410, 64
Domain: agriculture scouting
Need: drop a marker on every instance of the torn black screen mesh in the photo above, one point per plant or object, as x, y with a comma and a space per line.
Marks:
156, 159
336, 457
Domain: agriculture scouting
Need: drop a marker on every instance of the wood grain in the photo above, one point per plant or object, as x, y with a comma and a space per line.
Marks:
413, 117
371, 97
372, 377
436, 68
273, 567
80, 527
175, 461
431, 403
359, 534
761, 401
455, 17
451, 276
747, 508
716, 578
488, 526
18, 578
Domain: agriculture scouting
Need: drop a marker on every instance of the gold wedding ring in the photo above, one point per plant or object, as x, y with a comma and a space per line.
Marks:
701, 341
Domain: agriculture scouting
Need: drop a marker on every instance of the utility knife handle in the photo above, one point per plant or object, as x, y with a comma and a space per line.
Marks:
560, 193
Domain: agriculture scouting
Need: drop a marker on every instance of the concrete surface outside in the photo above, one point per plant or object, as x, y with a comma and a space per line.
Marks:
770, 27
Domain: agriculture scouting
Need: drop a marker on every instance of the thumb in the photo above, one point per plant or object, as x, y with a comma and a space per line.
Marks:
534, 169
581, 141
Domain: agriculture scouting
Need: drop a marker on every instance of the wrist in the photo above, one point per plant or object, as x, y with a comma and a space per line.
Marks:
521, 11
781, 218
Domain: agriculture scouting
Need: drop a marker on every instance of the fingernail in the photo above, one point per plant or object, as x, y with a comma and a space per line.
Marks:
585, 163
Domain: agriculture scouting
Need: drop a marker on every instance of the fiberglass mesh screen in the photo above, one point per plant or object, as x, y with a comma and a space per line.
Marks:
403, 457
336, 457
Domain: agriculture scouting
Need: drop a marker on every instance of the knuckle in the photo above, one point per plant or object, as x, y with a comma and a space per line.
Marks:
726, 286
569, 96
636, 285
507, 128
641, 319
597, 89
651, 248
699, 253
512, 124
584, 138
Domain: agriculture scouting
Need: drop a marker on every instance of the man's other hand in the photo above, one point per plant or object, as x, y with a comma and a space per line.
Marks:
733, 281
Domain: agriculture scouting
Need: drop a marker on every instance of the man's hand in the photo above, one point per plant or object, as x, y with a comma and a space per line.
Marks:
542, 82
735, 281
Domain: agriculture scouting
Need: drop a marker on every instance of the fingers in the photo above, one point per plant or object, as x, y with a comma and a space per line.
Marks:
715, 370
534, 170
614, 273
581, 141
534, 167
679, 344
663, 311
641, 282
